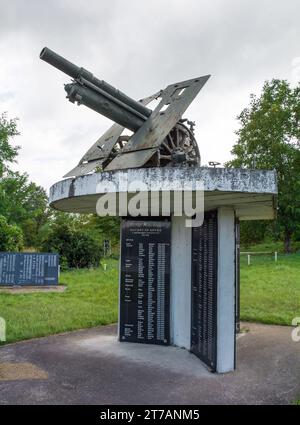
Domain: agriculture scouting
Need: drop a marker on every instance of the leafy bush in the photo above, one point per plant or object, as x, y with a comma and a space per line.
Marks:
254, 231
23, 203
11, 236
77, 247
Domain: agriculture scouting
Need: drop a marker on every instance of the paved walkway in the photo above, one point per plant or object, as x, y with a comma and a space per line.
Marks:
91, 367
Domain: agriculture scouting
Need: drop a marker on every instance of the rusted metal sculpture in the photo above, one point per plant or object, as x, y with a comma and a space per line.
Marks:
160, 137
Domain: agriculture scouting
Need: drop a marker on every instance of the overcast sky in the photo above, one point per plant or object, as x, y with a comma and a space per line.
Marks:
140, 47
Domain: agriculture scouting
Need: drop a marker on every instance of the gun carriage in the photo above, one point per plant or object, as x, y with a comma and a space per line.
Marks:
159, 137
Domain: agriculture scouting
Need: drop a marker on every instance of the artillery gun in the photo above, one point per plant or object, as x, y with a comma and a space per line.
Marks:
160, 138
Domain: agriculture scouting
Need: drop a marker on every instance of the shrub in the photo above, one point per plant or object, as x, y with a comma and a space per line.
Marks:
255, 231
11, 236
76, 247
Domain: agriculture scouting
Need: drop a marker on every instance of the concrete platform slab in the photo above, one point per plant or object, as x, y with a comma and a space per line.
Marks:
252, 193
31, 288
92, 367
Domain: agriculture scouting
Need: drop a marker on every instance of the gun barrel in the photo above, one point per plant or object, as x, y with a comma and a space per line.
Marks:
103, 105
60, 63
77, 72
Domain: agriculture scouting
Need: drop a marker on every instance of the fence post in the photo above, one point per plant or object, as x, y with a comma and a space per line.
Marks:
2, 329
275, 255
249, 261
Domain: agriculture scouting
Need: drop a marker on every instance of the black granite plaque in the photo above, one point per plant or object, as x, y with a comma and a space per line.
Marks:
145, 281
20, 268
237, 276
204, 289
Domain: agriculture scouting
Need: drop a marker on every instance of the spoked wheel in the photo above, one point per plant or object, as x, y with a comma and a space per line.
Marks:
179, 147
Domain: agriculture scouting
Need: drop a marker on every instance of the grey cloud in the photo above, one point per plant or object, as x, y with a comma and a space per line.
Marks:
139, 47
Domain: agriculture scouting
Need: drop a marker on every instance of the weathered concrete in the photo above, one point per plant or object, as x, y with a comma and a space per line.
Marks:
181, 253
91, 367
250, 192
226, 290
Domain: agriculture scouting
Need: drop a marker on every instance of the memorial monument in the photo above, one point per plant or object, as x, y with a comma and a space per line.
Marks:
29, 269
179, 283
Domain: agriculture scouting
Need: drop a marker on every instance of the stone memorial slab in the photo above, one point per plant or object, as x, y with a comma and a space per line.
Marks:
204, 289
145, 281
18, 268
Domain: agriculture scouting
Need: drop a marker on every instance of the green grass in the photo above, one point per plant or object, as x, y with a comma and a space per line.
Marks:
91, 299
270, 247
270, 292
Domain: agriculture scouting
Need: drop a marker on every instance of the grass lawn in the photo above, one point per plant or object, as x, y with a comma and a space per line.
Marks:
270, 292
91, 299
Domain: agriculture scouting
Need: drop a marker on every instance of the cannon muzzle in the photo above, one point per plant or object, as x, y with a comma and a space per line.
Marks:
61, 63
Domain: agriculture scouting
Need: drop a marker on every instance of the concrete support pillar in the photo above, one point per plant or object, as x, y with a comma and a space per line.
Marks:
226, 291
180, 321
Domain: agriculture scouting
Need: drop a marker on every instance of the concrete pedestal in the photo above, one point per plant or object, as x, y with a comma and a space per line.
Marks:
181, 252
234, 194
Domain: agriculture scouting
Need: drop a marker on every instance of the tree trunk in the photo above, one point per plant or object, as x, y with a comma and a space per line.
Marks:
288, 241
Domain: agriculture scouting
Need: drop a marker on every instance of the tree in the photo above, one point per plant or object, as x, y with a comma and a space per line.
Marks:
253, 232
8, 153
269, 138
106, 227
11, 238
23, 203
77, 247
